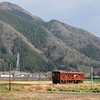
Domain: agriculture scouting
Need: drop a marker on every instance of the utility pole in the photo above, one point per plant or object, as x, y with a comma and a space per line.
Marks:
91, 75
10, 77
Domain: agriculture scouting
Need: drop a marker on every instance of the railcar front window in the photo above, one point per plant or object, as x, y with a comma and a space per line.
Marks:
55, 74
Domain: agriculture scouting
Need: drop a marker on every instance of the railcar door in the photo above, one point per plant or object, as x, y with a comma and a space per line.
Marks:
55, 77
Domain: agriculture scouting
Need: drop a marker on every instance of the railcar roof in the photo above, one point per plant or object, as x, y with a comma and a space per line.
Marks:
67, 71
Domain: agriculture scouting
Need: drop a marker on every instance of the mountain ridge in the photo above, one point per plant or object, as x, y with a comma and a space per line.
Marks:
10, 6
64, 47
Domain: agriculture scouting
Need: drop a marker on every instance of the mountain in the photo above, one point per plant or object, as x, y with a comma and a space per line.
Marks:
76, 38
16, 10
44, 46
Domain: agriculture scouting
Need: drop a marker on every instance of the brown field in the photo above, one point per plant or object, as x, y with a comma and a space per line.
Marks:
45, 90
48, 96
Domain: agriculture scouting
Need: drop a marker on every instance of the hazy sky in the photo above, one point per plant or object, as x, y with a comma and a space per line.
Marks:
83, 14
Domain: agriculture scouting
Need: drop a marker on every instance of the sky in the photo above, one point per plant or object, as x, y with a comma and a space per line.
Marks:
83, 14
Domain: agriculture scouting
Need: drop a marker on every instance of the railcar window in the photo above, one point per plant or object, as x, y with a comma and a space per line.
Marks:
74, 75
69, 75
66, 74
78, 74
55, 74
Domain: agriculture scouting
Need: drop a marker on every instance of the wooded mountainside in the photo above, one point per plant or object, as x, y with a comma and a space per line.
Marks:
44, 46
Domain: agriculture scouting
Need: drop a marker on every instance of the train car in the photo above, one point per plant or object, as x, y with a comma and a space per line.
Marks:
62, 77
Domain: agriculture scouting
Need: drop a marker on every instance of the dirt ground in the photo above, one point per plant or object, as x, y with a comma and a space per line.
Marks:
49, 96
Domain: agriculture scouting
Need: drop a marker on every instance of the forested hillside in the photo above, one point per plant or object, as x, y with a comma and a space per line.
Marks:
79, 39
44, 46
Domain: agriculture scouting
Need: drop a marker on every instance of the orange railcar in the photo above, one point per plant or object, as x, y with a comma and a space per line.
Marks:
67, 77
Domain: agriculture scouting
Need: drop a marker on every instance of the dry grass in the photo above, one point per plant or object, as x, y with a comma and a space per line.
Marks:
37, 90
